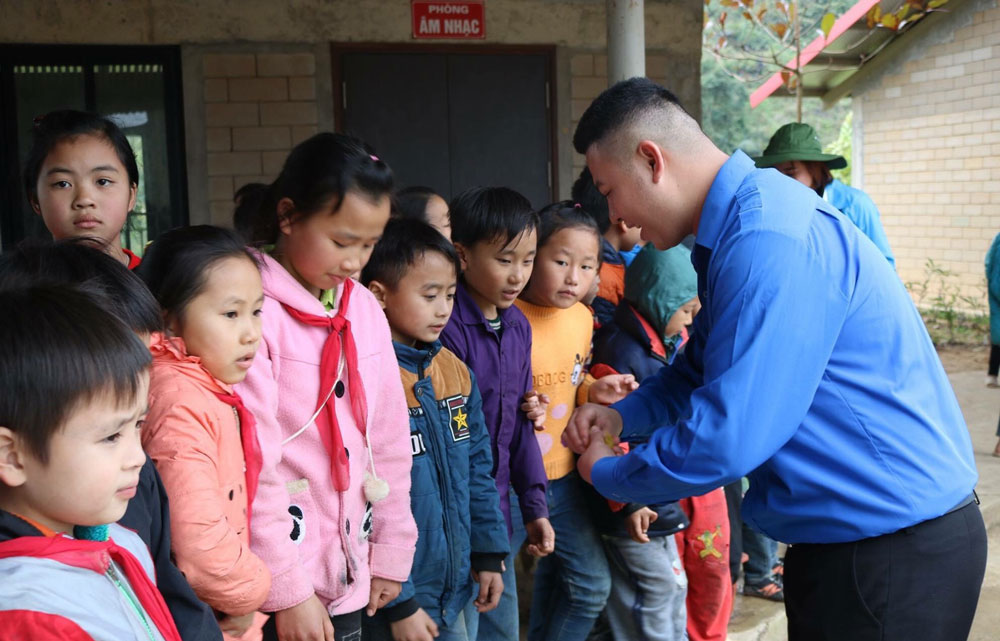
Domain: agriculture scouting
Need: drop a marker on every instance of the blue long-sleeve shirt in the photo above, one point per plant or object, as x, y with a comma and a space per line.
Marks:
809, 370
861, 210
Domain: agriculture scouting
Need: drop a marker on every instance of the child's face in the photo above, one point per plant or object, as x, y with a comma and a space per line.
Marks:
221, 325
496, 271
84, 190
92, 469
565, 268
683, 317
437, 215
324, 250
420, 305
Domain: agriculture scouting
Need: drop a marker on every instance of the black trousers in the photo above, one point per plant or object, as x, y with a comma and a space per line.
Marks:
920, 583
346, 627
994, 367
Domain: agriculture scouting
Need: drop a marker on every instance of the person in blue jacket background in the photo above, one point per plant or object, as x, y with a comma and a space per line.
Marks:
413, 272
809, 370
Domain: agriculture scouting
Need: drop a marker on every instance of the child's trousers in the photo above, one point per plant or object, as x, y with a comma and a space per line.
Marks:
648, 588
705, 554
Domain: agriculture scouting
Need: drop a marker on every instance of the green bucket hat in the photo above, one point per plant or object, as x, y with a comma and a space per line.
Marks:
797, 141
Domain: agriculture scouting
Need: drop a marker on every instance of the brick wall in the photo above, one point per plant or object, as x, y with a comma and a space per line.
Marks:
931, 149
257, 107
589, 77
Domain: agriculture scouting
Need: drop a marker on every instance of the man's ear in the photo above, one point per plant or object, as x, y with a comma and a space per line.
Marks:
12, 473
285, 209
379, 290
461, 251
653, 159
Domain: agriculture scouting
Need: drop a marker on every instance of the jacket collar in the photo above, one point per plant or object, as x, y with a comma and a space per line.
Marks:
416, 358
628, 319
468, 313
610, 255
720, 196
171, 352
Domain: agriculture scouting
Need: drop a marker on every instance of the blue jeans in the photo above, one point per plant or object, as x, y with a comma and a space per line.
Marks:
763, 553
573, 583
503, 622
649, 590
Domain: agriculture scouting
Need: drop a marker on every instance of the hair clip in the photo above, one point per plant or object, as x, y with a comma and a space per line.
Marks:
374, 157
577, 206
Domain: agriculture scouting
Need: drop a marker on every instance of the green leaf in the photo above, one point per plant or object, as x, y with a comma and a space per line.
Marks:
827, 24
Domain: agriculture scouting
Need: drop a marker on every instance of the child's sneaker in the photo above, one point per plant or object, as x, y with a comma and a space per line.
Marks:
991, 381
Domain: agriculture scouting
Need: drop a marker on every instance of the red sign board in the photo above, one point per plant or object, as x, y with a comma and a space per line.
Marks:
455, 19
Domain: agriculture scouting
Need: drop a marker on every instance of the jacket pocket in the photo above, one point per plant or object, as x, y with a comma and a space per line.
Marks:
305, 520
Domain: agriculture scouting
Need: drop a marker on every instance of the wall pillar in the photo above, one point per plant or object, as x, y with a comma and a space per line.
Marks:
626, 40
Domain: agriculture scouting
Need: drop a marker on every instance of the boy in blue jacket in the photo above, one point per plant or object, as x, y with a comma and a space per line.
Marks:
413, 272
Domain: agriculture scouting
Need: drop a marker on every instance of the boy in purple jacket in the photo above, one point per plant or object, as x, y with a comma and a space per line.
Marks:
493, 229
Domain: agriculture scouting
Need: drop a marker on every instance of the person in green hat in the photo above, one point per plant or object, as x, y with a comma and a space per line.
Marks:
795, 151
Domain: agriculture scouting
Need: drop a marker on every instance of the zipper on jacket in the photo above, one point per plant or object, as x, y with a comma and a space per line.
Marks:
438, 454
116, 579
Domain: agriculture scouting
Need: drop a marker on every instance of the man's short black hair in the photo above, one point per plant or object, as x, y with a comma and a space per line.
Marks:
404, 241
488, 214
618, 105
585, 193
59, 348
76, 262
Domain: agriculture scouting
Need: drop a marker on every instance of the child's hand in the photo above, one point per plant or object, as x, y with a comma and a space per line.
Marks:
419, 626
383, 591
637, 524
236, 626
611, 388
490, 589
541, 537
307, 621
535, 406
601, 446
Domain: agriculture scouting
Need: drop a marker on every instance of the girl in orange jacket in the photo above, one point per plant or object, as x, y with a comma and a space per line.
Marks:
197, 432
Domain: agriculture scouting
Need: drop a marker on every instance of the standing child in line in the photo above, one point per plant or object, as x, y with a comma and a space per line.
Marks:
493, 229
198, 432
572, 586
81, 178
76, 263
75, 381
462, 540
331, 518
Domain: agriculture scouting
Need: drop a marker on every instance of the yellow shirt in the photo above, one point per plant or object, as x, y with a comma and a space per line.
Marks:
560, 348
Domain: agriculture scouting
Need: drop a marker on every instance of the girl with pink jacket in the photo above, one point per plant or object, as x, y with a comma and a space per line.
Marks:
332, 513
198, 433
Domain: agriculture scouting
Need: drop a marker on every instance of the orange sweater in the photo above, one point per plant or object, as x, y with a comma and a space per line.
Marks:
560, 349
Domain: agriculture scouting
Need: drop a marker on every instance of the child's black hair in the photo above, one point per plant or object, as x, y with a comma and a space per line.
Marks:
403, 242
176, 265
57, 126
411, 202
59, 348
76, 262
488, 214
247, 199
592, 200
565, 214
319, 171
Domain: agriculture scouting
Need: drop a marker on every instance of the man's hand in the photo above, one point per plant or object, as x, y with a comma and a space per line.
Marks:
490, 589
602, 445
541, 537
307, 621
236, 626
383, 591
637, 524
416, 627
611, 388
534, 407
576, 436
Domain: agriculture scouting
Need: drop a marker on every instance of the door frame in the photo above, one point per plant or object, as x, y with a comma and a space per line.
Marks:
339, 49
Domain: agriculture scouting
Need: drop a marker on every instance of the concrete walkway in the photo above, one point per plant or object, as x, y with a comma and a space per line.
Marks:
759, 620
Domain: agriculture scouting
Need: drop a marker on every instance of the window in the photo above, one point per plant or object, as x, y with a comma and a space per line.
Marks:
137, 87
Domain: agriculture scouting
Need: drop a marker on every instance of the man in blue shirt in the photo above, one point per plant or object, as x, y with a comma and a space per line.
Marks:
795, 151
809, 371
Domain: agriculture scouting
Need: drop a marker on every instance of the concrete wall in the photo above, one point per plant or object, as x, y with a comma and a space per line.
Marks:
931, 146
257, 77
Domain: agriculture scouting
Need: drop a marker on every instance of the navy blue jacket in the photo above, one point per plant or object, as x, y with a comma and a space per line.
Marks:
453, 496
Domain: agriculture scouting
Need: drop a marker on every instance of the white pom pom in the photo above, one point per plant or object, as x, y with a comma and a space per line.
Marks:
376, 489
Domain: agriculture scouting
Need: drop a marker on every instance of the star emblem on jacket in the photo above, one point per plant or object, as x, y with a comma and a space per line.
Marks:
459, 418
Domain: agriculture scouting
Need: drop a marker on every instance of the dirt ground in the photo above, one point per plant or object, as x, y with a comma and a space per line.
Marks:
964, 358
